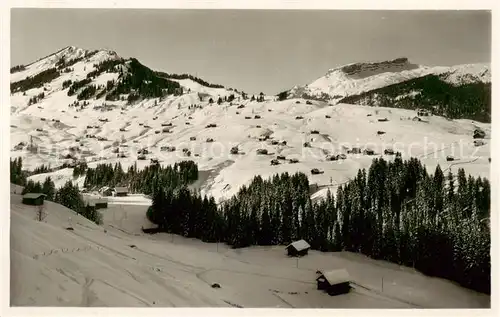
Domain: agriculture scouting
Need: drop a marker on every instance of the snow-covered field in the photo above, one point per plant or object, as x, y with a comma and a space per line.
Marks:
348, 126
117, 265
54, 127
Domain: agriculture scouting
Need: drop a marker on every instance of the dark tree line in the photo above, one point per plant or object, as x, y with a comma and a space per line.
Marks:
395, 211
142, 82
187, 76
17, 175
47, 187
180, 211
107, 66
463, 101
143, 181
80, 169
35, 99
36, 81
68, 195
76, 85
283, 95
17, 68
66, 83
87, 92
41, 169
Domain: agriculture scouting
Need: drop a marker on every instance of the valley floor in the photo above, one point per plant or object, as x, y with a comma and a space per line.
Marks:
117, 265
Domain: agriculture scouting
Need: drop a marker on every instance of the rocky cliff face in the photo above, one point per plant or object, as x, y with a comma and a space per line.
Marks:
363, 70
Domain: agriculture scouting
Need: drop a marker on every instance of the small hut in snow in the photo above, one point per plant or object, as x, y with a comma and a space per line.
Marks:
298, 248
34, 199
334, 282
120, 191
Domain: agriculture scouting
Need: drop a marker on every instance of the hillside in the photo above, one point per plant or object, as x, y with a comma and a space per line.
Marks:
117, 265
458, 92
143, 108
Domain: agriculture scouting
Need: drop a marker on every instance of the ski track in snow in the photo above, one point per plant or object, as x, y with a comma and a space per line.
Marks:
121, 266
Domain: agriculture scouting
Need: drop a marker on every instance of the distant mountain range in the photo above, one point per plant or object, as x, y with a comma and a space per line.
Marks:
462, 91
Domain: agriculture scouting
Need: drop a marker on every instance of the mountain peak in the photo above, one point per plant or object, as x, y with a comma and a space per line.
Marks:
356, 78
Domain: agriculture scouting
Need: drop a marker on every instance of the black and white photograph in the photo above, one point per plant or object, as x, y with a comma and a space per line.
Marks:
237, 158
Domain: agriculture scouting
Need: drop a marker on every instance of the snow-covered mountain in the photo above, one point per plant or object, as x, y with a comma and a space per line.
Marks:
96, 106
357, 78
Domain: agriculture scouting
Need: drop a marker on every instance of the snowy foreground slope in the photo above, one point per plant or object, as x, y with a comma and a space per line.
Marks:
117, 265
101, 127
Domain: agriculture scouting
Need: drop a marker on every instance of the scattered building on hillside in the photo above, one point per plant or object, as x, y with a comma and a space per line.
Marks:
33, 199
354, 150
234, 150
298, 248
479, 134
478, 142
120, 191
101, 203
423, 112
275, 162
368, 152
97, 202
106, 191
316, 171
334, 282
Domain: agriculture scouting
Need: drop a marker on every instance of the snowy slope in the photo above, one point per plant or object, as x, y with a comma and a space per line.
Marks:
116, 265
356, 78
68, 53
130, 127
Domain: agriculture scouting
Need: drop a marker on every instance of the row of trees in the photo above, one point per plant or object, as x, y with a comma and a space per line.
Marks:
220, 100
35, 99
17, 175
35, 81
47, 187
87, 92
183, 212
68, 195
143, 181
187, 76
141, 81
77, 85
17, 68
395, 211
